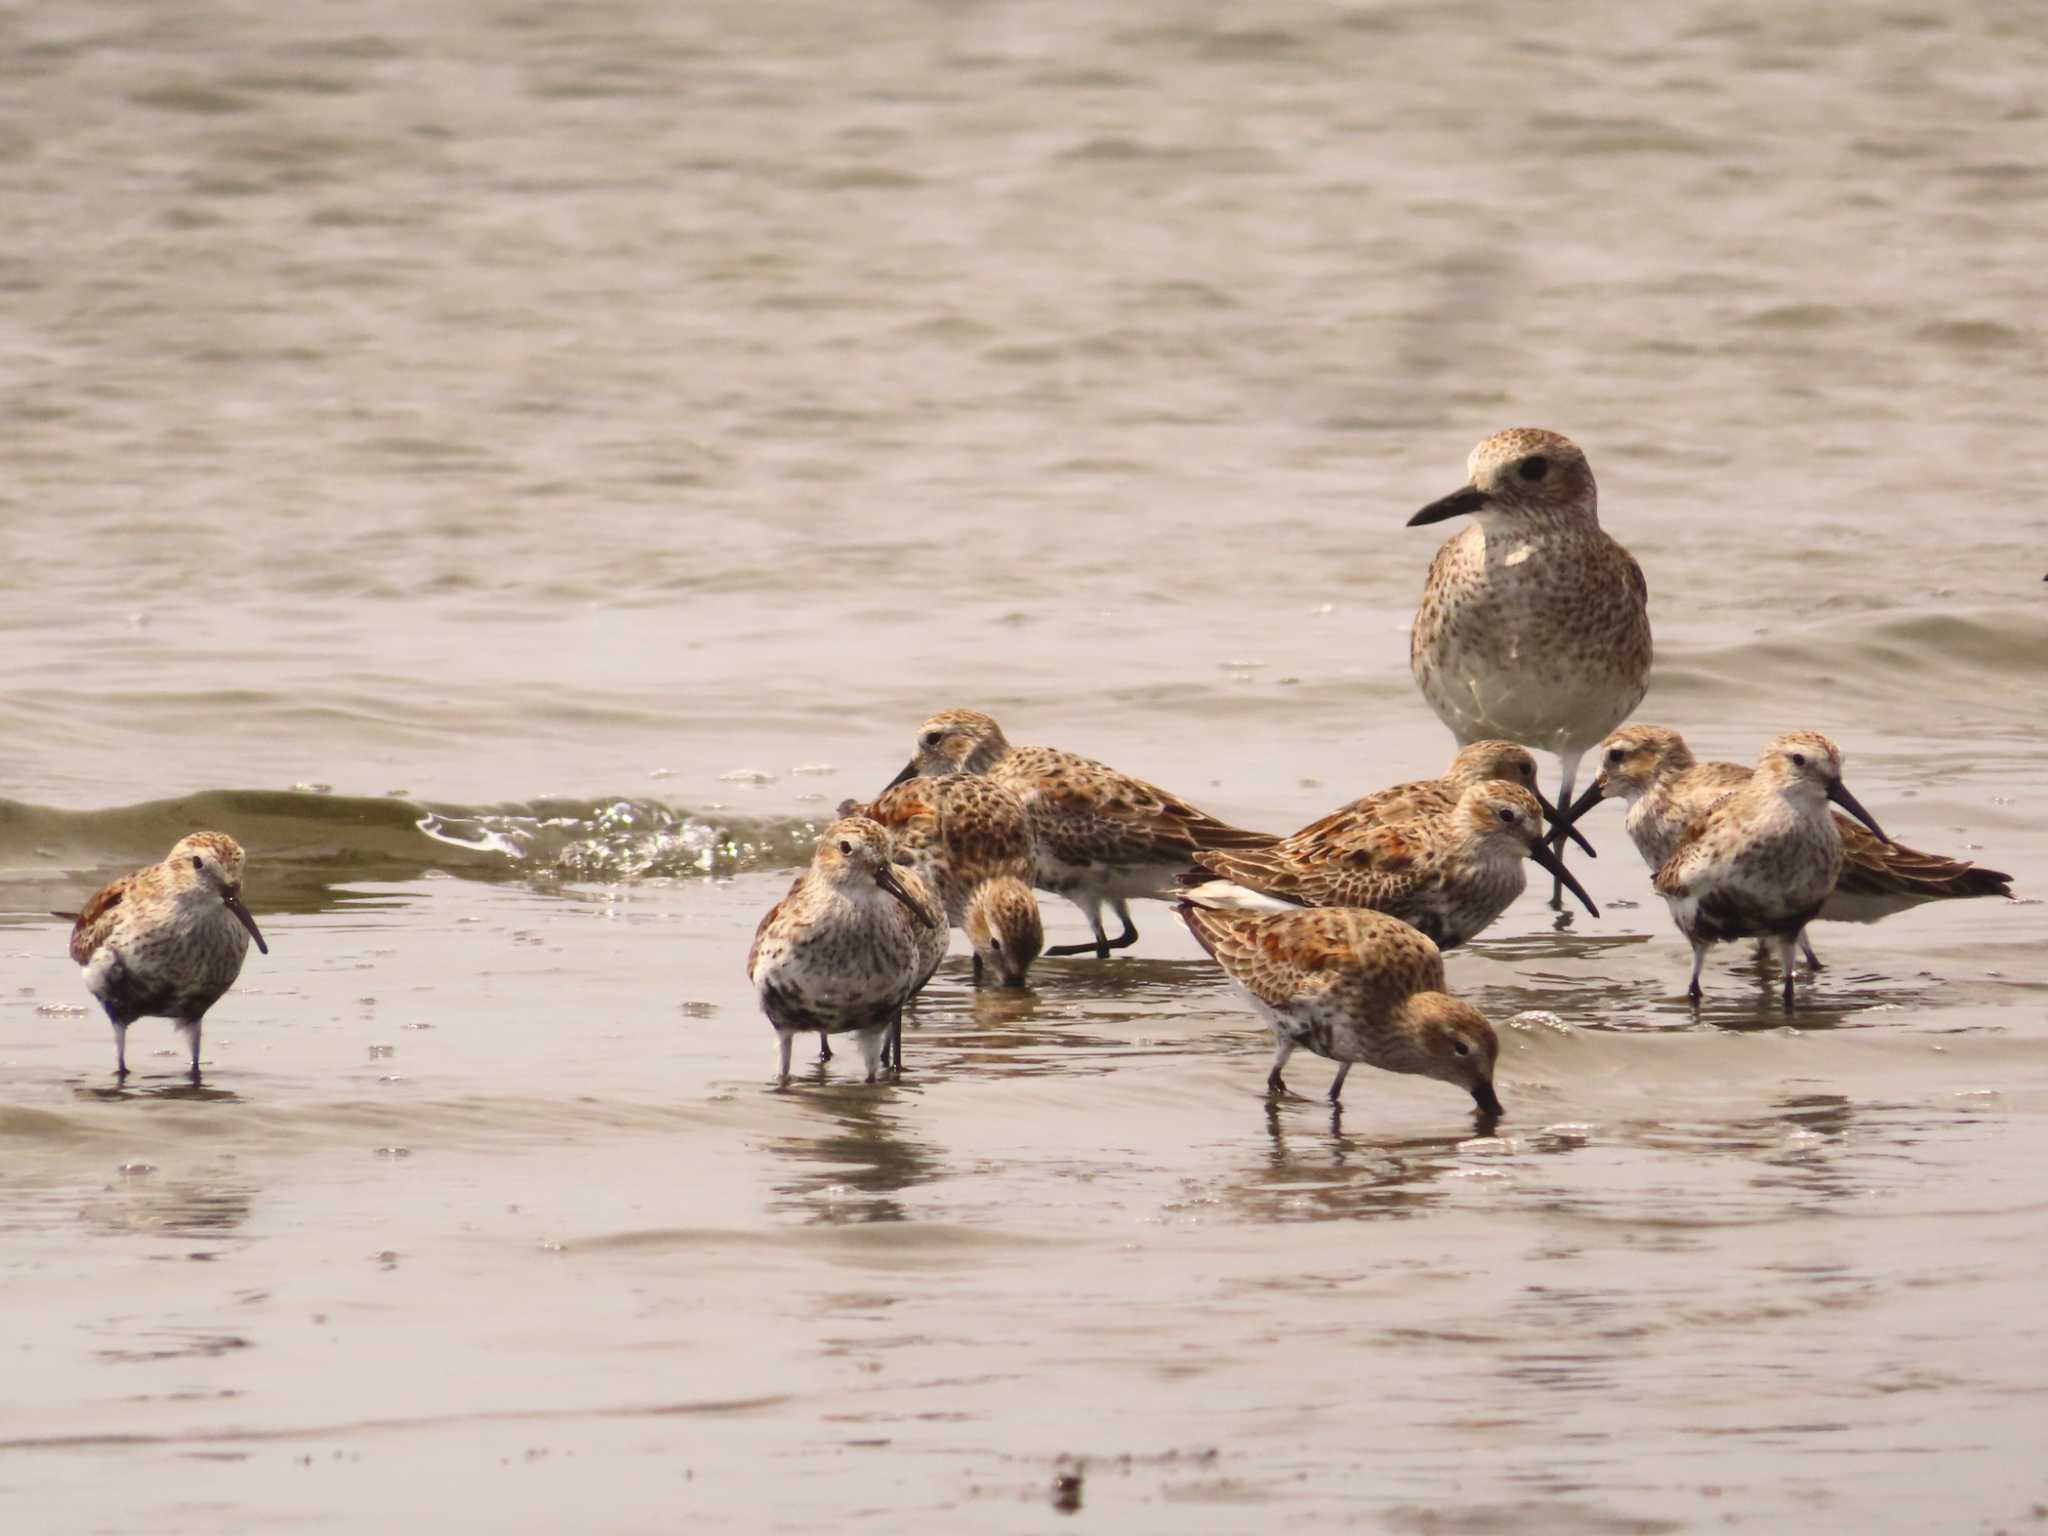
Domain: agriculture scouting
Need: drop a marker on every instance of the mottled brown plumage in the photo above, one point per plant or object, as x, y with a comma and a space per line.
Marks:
1534, 625
1667, 790
854, 940
1352, 986
167, 941
1765, 857
970, 838
1099, 836
1449, 874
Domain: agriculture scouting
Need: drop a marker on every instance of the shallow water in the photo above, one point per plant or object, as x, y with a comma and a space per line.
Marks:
517, 467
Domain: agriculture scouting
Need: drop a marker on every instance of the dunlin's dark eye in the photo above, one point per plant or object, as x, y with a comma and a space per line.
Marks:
1614, 754
845, 847
197, 862
1507, 814
1534, 467
1462, 1048
1798, 759
931, 738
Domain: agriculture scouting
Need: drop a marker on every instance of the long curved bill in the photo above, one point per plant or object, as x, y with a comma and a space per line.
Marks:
909, 772
1849, 803
1540, 854
1457, 504
1488, 1101
1561, 826
885, 877
232, 900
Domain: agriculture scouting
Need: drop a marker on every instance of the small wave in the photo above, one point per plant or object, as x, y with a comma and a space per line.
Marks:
306, 849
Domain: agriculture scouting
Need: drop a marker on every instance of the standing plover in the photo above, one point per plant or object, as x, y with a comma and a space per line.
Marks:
167, 941
852, 942
1534, 624
1666, 790
1352, 986
1449, 874
1100, 836
971, 840
1763, 860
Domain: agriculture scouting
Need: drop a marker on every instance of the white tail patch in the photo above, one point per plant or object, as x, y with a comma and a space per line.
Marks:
1228, 896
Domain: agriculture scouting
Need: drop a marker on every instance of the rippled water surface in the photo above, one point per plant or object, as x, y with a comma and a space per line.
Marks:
517, 467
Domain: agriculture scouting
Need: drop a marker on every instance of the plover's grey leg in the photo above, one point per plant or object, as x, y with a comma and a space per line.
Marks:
1570, 760
872, 1044
786, 1038
120, 1045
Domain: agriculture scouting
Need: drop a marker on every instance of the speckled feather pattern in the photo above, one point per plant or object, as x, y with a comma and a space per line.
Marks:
840, 953
1350, 986
970, 838
159, 943
1449, 874
1097, 834
1669, 790
1534, 624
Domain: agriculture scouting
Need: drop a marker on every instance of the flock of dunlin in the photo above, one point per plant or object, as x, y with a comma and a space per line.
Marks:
1533, 632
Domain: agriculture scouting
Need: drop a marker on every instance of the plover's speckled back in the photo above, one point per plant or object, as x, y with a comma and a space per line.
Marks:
1100, 837
167, 941
1763, 860
1534, 624
1449, 874
1652, 770
971, 839
853, 941
1352, 986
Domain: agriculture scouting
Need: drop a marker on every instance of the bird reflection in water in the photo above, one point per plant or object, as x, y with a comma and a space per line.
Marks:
858, 1163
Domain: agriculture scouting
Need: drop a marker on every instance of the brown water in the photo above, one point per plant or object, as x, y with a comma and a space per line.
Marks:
522, 419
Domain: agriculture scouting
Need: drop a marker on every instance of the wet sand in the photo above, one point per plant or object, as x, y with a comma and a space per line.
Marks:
588, 440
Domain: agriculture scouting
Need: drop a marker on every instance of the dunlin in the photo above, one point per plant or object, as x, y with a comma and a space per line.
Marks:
1666, 790
167, 941
1534, 624
852, 942
1100, 837
1352, 986
1474, 764
1764, 859
971, 840
1448, 875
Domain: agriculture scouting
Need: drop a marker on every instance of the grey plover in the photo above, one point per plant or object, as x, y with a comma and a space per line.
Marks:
1449, 874
1534, 624
1352, 986
1765, 857
854, 940
167, 941
1100, 837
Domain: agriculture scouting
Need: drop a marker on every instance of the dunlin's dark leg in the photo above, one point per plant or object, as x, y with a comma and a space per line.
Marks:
120, 1045
824, 1046
1806, 949
191, 1032
1282, 1049
1699, 959
1337, 1088
1092, 910
1786, 947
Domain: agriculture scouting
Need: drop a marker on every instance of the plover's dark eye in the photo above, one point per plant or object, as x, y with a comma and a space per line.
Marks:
1534, 467
845, 847
197, 862
1798, 760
